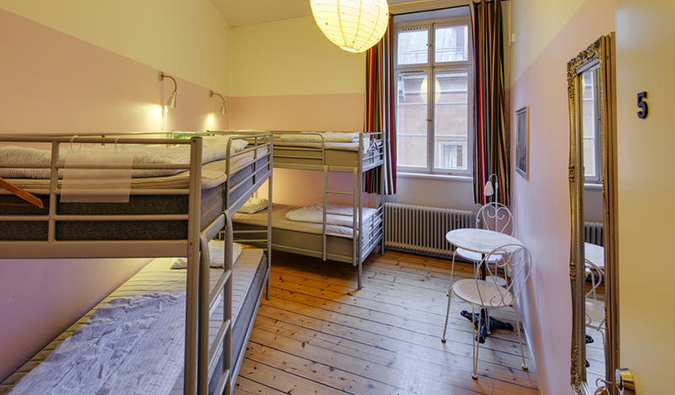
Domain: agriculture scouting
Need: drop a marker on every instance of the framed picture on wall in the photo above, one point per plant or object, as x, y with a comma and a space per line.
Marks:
523, 141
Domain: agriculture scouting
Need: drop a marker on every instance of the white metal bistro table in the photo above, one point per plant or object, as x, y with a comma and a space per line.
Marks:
482, 241
595, 254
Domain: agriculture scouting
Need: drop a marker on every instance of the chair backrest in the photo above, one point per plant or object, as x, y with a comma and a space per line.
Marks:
516, 260
495, 216
596, 280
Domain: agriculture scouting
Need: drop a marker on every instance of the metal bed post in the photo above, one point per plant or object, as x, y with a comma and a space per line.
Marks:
269, 216
381, 192
203, 326
357, 172
227, 306
192, 284
324, 241
51, 232
325, 214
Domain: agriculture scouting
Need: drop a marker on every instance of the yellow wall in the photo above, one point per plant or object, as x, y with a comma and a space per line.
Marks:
644, 41
535, 23
292, 57
187, 38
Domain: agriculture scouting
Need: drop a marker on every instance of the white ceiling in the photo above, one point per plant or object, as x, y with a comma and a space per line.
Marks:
249, 12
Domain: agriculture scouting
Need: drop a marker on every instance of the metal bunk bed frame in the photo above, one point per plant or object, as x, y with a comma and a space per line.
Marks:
198, 353
373, 159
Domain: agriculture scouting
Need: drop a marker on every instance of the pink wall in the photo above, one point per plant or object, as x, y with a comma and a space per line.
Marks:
541, 204
52, 82
324, 112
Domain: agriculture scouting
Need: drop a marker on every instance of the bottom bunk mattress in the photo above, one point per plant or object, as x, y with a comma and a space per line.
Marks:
304, 237
133, 341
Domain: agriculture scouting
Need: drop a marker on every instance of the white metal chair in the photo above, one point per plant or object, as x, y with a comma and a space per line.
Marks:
493, 216
595, 309
487, 294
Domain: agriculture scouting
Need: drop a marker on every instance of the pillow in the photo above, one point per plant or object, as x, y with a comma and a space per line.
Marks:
221, 141
253, 205
217, 253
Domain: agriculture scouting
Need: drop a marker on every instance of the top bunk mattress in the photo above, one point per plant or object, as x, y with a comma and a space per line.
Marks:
337, 149
214, 173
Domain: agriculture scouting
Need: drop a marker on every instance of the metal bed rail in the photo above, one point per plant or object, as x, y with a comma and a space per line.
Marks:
199, 357
311, 157
52, 247
261, 147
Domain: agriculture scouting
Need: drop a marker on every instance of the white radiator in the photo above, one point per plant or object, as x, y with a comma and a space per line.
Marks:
594, 232
422, 229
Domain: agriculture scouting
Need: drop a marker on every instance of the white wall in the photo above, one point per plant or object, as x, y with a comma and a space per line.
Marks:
645, 34
548, 34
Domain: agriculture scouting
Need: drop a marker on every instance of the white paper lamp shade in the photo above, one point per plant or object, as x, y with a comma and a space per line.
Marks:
353, 25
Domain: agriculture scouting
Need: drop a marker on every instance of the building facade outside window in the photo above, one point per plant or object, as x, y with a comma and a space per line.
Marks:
434, 120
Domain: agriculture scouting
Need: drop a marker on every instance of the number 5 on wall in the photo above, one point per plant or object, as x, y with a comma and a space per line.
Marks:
642, 104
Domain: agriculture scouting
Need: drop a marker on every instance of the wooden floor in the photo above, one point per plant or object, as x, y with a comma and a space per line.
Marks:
318, 334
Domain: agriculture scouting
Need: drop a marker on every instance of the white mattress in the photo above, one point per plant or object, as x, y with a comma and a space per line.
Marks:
213, 174
156, 375
345, 141
280, 221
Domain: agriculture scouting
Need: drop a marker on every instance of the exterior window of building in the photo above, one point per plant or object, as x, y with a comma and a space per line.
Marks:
592, 127
433, 66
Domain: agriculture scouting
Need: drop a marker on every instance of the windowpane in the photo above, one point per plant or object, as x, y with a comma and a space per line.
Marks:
452, 44
411, 124
412, 47
589, 124
451, 124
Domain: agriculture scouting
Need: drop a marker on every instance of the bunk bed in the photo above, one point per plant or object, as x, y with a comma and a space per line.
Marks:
173, 210
355, 153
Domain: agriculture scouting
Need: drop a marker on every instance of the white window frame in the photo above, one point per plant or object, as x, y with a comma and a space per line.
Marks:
597, 135
431, 67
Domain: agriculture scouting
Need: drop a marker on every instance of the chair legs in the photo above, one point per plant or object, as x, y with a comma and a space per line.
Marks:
447, 313
475, 343
520, 338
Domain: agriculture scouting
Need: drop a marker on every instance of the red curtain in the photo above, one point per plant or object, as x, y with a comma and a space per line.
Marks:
380, 109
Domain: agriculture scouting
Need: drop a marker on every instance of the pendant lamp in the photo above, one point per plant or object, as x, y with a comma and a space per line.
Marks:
353, 25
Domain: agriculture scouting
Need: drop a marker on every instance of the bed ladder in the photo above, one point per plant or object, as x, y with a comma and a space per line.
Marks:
210, 352
357, 216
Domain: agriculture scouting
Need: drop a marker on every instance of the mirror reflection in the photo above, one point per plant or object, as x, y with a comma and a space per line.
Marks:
591, 115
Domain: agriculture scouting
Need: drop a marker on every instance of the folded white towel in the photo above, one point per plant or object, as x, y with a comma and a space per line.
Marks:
216, 252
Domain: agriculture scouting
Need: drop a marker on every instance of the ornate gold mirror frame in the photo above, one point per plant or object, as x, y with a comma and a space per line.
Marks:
600, 54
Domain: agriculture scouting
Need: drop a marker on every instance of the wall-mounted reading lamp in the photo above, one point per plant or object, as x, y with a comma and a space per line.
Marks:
223, 109
172, 100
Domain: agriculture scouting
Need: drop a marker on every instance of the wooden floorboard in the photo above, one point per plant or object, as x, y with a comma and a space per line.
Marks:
318, 334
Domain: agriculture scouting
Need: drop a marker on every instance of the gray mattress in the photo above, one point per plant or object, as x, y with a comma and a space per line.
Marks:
212, 205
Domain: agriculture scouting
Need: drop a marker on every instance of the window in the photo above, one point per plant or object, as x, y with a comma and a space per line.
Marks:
434, 119
592, 127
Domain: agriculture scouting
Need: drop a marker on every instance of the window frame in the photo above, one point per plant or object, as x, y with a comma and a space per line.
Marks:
431, 68
597, 130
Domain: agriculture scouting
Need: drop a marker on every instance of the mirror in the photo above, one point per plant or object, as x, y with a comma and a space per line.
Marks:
592, 177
